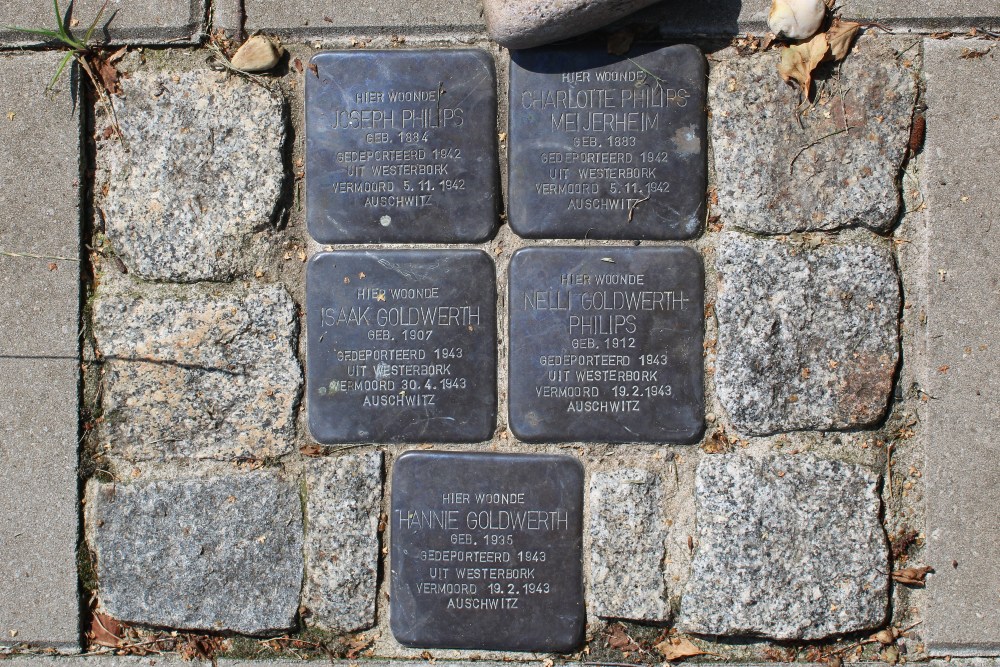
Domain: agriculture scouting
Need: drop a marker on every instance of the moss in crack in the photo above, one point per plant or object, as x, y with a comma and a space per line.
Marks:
86, 569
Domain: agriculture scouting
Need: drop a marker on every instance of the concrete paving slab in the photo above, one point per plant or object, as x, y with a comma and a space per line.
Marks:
39, 210
962, 349
123, 22
39, 602
727, 17
39, 215
305, 18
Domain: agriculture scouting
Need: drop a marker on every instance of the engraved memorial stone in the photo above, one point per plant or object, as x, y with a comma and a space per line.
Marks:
401, 146
401, 346
607, 147
606, 344
486, 551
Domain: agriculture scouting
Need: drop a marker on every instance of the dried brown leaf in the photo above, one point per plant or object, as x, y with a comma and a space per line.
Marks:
104, 630
970, 54
840, 36
914, 576
312, 450
799, 60
678, 648
620, 640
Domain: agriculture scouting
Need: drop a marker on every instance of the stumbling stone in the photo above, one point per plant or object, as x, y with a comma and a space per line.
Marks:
607, 147
789, 547
606, 344
486, 551
808, 336
202, 172
223, 553
835, 166
341, 545
197, 372
401, 146
522, 24
402, 346
627, 545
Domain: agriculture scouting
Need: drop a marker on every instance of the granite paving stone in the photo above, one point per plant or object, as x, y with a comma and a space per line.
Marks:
123, 22
221, 553
39, 368
838, 166
627, 545
808, 335
200, 172
962, 341
344, 495
203, 372
788, 547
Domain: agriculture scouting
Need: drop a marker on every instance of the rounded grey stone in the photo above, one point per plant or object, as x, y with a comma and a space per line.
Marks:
223, 553
344, 495
837, 166
627, 549
789, 547
197, 372
202, 171
808, 336
521, 24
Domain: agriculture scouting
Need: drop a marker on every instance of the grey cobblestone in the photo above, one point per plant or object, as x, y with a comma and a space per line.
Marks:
788, 548
342, 542
197, 372
200, 171
223, 553
808, 336
776, 174
627, 533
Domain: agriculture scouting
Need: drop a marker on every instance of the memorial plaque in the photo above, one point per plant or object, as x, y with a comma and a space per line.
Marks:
606, 344
607, 147
487, 551
401, 146
401, 346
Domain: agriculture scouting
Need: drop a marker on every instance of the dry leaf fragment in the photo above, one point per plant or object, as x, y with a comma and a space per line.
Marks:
914, 576
840, 36
799, 60
311, 450
678, 648
620, 640
104, 630
970, 54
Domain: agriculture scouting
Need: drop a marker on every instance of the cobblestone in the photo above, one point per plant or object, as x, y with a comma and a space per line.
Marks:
223, 553
808, 336
627, 545
342, 545
202, 172
197, 372
788, 548
776, 174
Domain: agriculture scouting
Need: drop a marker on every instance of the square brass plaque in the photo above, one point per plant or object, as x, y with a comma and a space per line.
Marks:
607, 147
486, 551
401, 146
606, 344
401, 346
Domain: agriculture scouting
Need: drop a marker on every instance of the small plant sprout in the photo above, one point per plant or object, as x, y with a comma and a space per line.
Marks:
78, 49
96, 64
